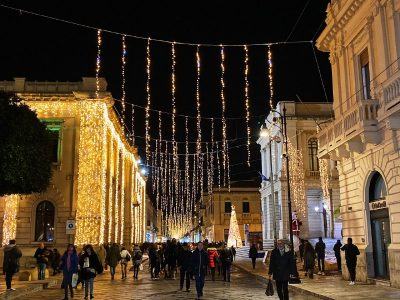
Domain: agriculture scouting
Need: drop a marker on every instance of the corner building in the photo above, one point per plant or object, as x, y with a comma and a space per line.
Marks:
96, 183
363, 40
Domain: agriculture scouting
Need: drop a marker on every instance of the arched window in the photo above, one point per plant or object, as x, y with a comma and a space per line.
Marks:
312, 154
44, 226
377, 188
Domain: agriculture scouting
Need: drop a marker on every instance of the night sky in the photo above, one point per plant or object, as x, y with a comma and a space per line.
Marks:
40, 49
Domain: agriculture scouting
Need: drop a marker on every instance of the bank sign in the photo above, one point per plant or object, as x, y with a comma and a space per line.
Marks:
377, 205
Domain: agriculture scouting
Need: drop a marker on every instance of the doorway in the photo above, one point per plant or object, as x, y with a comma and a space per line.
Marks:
380, 231
380, 226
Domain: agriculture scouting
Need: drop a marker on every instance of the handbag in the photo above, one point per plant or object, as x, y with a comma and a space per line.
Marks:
74, 280
270, 288
141, 267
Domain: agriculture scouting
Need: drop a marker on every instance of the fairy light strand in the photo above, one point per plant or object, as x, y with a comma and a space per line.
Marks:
223, 106
247, 100
147, 121
98, 61
123, 91
270, 79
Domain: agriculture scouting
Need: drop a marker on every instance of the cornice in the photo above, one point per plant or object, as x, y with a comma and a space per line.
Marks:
336, 22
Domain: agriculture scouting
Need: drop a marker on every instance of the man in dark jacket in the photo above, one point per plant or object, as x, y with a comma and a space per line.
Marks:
336, 249
320, 250
253, 255
199, 261
226, 258
112, 259
42, 259
11, 262
184, 260
280, 268
351, 251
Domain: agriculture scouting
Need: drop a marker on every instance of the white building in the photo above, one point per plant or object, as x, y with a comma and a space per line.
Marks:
363, 39
314, 214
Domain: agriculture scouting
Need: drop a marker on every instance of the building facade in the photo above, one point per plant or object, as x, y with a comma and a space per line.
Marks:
97, 193
215, 214
314, 209
363, 41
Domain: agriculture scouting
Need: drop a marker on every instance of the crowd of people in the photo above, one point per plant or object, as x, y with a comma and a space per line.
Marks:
192, 262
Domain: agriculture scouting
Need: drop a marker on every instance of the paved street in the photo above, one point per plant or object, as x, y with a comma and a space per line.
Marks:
243, 286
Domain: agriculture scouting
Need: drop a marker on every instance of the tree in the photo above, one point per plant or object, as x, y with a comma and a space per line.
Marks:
25, 143
234, 238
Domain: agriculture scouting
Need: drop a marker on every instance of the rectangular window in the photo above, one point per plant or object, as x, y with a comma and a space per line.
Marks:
228, 207
365, 76
55, 128
246, 207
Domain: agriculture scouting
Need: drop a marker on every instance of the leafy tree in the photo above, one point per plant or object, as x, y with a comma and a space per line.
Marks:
25, 155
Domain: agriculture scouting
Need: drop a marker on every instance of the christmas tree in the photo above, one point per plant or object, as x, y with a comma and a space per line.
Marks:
234, 238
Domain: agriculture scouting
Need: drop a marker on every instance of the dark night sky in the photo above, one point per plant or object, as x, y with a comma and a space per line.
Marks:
40, 49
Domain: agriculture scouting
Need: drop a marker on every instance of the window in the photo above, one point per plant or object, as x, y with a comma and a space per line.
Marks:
312, 154
377, 188
246, 207
44, 226
228, 207
55, 128
365, 76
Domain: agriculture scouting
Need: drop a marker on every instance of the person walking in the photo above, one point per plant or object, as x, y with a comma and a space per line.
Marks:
137, 256
199, 261
336, 249
301, 249
55, 263
233, 251
253, 255
41, 260
90, 266
153, 261
320, 250
112, 259
213, 260
101, 254
12, 255
172, 258
309, 259
184, 260
69, 266
226, 260
350, 253
280, 268
125, 258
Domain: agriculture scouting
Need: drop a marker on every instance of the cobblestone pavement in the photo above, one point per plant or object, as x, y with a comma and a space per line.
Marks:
242, 286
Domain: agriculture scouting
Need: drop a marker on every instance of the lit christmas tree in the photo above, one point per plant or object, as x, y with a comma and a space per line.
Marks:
234, 238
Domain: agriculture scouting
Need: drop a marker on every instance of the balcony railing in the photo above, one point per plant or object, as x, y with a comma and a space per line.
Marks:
361, 117
391, 92
312, 174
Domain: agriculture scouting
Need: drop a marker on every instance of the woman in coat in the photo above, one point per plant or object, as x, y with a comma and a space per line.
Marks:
125, 258
136, 260
213, 259
309, 259
90, 265
69, 266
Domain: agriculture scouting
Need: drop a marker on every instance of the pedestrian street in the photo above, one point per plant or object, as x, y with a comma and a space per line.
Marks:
242, 286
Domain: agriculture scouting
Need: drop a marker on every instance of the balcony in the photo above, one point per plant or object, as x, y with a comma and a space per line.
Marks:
350, 132
312, 174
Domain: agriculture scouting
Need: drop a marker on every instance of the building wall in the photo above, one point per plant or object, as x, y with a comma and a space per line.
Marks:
364, 136
216, 220
96, 181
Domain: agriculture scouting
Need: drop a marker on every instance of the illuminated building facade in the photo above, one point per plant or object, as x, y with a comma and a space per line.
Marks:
363, 41
317, 212
97, 192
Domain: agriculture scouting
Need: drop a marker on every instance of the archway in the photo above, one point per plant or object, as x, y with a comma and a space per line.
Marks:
380, 224
44, 225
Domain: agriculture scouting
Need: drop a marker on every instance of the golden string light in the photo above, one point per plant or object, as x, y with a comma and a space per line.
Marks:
122, 209
223, 106
247, 100
11, 203
98, 128
212, 155
98, 62
297, 179
133, 125
123, 92
148, 73
187, 182
117, 194
218, 167
198, 70
270, 79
